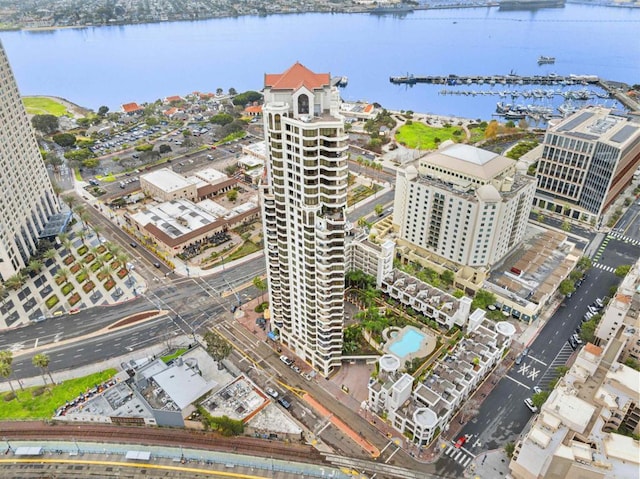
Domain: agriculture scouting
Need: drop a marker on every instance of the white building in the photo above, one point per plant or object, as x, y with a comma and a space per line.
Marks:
28, 200
422, 412
463, 204
166, 185
303, 203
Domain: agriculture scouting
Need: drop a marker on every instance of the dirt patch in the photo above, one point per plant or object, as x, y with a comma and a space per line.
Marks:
134, 318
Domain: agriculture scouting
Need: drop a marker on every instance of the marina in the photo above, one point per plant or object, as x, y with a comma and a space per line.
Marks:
510, 79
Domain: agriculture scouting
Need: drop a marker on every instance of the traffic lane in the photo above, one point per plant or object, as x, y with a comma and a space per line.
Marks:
629, 224
618, 252
369, 207
567, 318
68, 326
94, 350
501, 416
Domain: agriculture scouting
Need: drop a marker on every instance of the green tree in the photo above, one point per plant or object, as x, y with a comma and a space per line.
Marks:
509, 448
483, 299
588, 330
566, 226
538, 399
491, 130
217, 346
103, 110
15, 282
232, 195
261, 285
49, 254
232, 91
6, 360
378, 209
46, 124
65, 139
221, 119
164, 148
566, 287
448, 277
62, 275
247, 97
622, 270
35, 266
584, 262
41, 361
219, 91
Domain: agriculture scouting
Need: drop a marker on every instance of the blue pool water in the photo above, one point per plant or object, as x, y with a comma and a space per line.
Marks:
409, 343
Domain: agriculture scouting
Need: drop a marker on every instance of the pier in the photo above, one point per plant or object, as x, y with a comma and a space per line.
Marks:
613, 89
510, 79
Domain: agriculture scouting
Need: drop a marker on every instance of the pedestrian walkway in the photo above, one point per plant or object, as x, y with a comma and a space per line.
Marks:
604, 267
489, 465
614, 234
459, 455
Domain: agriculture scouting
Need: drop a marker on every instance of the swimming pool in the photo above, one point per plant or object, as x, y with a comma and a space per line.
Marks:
409, 343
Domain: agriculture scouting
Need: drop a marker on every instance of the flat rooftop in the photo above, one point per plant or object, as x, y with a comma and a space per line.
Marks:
602, 124
468, 160
175, 218
166, 180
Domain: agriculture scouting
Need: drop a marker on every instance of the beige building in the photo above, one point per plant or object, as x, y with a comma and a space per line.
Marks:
28, 200
166, 185
463, 204
581, 431
586, 160
303, 204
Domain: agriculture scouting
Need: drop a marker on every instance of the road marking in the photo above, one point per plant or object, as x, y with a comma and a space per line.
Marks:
36, 343
517, 382
537, 360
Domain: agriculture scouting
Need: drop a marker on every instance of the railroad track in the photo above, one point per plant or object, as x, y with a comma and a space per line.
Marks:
30, 430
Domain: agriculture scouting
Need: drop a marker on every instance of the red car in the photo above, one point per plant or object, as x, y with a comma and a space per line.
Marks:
460, 442
74, 311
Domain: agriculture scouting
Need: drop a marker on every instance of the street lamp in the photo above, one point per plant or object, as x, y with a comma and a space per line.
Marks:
9, 448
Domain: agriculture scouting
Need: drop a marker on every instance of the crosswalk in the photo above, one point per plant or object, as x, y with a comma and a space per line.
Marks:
461, 456
604, 267
615, 235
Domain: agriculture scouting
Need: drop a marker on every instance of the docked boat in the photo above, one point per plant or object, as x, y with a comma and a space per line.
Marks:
529, 4
542, 60
393, 8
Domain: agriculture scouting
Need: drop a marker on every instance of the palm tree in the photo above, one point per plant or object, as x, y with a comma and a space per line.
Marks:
97, 230
3, 293
70, 200
260, 284
82, 234
41, 361
105, 271
35, 266
84, 217
94, 251
62, 274
6, 359
49, 254
15, 282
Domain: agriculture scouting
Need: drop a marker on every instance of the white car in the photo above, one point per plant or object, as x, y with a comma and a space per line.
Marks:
536, 390
271, 392
529, 403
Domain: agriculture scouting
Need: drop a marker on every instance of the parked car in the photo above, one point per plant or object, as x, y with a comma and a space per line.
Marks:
519, 359
157, 265
536, 390
460, 442
529, 403
271, 392
284, 403
286, 360
134, 244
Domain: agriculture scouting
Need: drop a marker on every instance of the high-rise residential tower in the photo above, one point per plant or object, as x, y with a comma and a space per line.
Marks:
27, 196
303, 202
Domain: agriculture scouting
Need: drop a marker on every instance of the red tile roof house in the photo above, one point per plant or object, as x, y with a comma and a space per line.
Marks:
253, 110
131, 108
173, 99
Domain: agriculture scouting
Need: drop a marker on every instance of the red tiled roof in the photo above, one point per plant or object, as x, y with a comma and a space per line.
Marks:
368, 108
131, 107
295, 77
170, 111
173, 98
593, 349
254, 109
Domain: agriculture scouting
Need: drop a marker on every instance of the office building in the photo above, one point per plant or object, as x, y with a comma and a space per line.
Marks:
586, 160
303, 205
28, 199
462, 204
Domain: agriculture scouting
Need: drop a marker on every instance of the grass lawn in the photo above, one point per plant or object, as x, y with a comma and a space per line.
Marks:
423, 136
107, 179
37, 105
247, 248
360, 192
45, 405
51, 301
170, 357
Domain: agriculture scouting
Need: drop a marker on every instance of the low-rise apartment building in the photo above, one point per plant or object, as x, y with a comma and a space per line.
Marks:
422, 412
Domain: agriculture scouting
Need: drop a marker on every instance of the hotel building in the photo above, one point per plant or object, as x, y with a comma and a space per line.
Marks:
586, 160
28, 199
303, 204
462, 204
